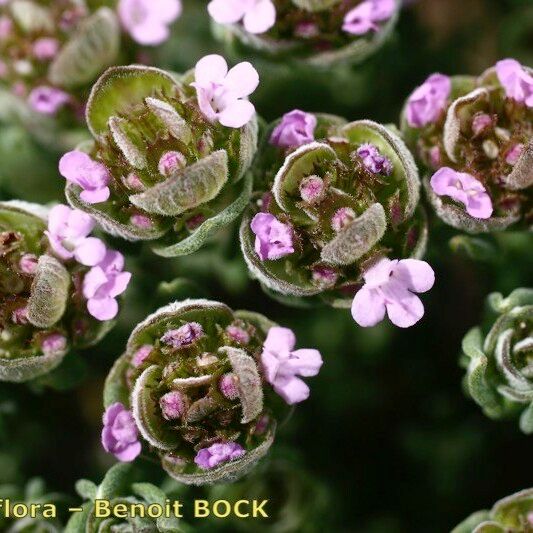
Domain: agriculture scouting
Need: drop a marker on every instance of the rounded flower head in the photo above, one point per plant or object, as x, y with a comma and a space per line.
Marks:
428, 101
119, 434
473, 138
221, 93
148, 22
201, 399
390, 286
177, 183
497, 359
296, 128
42, 272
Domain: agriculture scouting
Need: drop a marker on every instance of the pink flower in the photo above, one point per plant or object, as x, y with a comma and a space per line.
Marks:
103, 283
238, 334
282, 364
373, 160
325, 276
481, 122
184, 335
516, 81
341, 218
273, 238
20, 315
45, 48
312, 189
513, 154
141, 221
68, 231
221, 93
218, 453
258, 16
120, 435
172, 405
93, 177
6, 27
28, 264
428, 101
464, 188
365, 16
389, 287
47, 100
147, 21
53, 343
228, 386
141, 354
295, 129
170, 162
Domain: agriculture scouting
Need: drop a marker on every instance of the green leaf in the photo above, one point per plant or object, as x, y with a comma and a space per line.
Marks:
121, 88
187, 188
128, 141
468, 525
26, 368
116, 481
86, 489
94, 46
49, 292
315, 5
526, 420
149, 493
116, 387
521, 177
176, 125
474, 248
31, 17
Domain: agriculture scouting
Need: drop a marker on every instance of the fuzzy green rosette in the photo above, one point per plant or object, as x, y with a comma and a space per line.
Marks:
122, 487
191, 377
482, 132
51, 52
499, 359
314, 32
43, 310
339, 209
139, 116
513, 514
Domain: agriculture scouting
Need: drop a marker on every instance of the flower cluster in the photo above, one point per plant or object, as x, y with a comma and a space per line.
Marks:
513, 513
321, 31
340, 200
474, 138
170, 158
499, 376
194, 388
58, 287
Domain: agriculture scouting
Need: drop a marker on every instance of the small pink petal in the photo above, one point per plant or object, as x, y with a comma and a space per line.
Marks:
368, 307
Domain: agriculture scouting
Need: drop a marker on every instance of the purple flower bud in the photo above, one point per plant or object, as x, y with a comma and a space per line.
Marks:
132, 181
342, 218
262, 425
141, 354
312, 189
45, 48
20, 315
218, 453
172, 405
324, 276
435, 157
170, 162
373, 160
120, 435
238, 334
53, 343
184, 335
47, 100
513, 154
141, 221
28, 263
295, 129
228, 386
481, 122
306, 30
195, 221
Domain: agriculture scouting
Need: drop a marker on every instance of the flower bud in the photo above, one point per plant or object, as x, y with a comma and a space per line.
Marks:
228, 386
183, 336
172, 405
312, 189
342, 217
481, 122
170, 162
28, 263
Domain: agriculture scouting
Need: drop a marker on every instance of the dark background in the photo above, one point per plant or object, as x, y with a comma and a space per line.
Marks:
387, 429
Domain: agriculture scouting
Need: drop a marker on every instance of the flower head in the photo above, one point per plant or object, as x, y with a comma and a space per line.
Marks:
68, 231
257, 16
389, 287
221, 94
184, 335
218, 453
296, 128
146, 21
282, 365
428, 101
463, 188
47, 100
517, 82
374, 160
366, 16
119, 434
273, 238
103, 283
92, 176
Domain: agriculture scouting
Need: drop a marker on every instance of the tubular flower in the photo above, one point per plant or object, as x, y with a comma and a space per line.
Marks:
43, 272
474, 138
170, 158
122, 484
199, 395
330, 208
320, 32
513, 513
499, 375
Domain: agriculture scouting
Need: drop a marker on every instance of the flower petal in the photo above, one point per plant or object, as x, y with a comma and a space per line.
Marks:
415, 275
102, 308
226, 11
130, 453
406, 311
368, 307
279, 340
90, 251
305, 362
292, 390
261, 17
95, 196
211, 68
237, 114
242, 79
